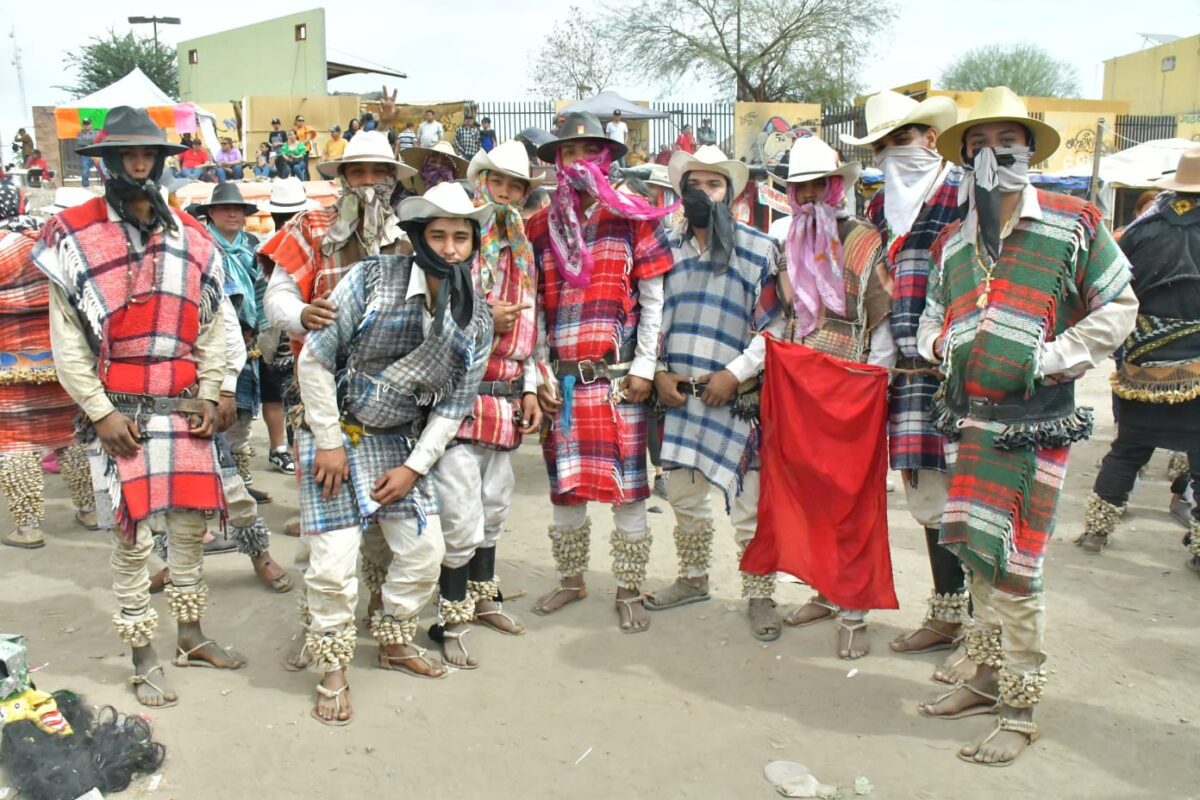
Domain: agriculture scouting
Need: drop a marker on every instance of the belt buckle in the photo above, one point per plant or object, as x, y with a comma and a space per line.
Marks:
163, 405
981, 408
588, 373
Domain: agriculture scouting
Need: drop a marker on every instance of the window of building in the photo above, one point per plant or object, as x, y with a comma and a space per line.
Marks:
301, 32
193, 57
1168, 63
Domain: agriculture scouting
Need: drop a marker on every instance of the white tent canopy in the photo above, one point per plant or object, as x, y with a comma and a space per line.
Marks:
603, 105
1137, 166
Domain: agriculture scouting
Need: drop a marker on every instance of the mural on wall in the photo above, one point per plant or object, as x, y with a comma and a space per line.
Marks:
764, 132
1079, 146
1188, 126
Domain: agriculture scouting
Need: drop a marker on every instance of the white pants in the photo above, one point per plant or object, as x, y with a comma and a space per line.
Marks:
687, 492
331, 579
185, 557
475, 487
628, 519
928, 499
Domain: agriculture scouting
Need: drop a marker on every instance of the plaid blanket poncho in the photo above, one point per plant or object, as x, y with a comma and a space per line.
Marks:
35, 413
145, 312
913, 443
602, 457
1051, 274
708, 320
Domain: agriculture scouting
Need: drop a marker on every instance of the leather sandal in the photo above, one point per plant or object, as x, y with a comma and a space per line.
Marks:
388, 662
336, 696
1028, 728
137, 680
971, 711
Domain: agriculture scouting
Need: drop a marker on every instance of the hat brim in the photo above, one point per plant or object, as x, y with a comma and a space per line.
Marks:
547, 151
1045, 137
270, 208
131, 141
249, 208
414, 158
939, 113
418, 208
850, 171
487, 166
684, 162
329, 169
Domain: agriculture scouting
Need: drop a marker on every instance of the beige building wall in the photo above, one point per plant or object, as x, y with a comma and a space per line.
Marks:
1157, 80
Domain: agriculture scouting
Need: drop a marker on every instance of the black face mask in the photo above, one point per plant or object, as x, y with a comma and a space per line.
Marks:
457, 289
715, 218
121, 189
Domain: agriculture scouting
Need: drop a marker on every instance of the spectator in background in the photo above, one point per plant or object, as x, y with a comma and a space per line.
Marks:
277, 138
263, 168
335, 146
369, 122
26, 143
685, 141
351, 128
705, 133
229, 161
308, 138
487, 136
86, 137
467, 136
431, 131
664, 155
35, 161
293, 158
538, 199
408, 137
618, 131
193, 161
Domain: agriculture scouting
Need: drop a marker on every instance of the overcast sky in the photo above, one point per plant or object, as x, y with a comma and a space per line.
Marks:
407, 36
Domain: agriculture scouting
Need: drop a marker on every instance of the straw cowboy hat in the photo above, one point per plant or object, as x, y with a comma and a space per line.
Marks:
226, 194
889, 111
1185, 178
508, 159
370, 147
67, 197
660, 176
130, 127
580, 125
811, 159
287, 197
998, 104
415, 157
446, 200
709, 159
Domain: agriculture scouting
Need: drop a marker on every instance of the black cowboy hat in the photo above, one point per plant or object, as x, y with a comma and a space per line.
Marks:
130, 127
226, 194
580, 125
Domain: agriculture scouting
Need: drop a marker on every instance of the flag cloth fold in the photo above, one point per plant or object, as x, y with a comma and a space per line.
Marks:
822, 508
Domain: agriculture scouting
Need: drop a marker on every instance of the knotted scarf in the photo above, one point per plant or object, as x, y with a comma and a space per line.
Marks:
436, 169
373, 204
121, 188
814, 255
455, 287
240, 269
590, 176
992, 171
715, 218
909, 173
505, 228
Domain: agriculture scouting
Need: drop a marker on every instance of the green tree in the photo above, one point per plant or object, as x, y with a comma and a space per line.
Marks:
105, 59
764, 50
1027, 69
576, 60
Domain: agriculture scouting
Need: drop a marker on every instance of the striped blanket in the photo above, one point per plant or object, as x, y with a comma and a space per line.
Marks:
1051, 273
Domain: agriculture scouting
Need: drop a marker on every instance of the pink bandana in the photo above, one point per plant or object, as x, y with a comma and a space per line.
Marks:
814, 256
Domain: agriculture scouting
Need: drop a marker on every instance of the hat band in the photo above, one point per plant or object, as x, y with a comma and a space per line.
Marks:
281, 204
891, 123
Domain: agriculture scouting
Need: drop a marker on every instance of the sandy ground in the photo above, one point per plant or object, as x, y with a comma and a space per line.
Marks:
692, 709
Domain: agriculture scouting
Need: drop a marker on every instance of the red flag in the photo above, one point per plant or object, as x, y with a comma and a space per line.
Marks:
822, 508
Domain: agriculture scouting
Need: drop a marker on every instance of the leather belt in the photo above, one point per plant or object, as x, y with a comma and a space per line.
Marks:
912, 362
588, 372
353, 428
159, 405
1047, 402
696, 388
508, 389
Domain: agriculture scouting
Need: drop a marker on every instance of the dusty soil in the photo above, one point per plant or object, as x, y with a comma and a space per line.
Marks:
692, 709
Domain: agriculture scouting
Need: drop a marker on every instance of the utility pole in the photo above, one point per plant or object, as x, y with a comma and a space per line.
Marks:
154, 21
16, 62
737, 67
1094, 186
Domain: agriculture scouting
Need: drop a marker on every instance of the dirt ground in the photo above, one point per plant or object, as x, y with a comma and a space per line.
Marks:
694, 708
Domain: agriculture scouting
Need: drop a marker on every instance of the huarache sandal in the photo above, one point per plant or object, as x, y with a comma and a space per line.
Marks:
831, 612
1026, 728
945, 641
336, 696
679, 593
28, 539
989, 707
138, 680
389, 662
482, 618
540, 608
457, 636
183, 658
847, 653
627, 615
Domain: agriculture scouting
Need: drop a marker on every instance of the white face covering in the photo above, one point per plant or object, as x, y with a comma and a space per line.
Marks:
909, 173
990, 173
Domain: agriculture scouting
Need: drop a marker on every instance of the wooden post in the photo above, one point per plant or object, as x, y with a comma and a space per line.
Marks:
1094, 186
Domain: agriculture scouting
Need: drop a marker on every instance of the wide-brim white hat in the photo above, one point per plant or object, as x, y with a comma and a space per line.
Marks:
509, 159
999, 104
288, 196
811, 159
889, 111
446, 200
709, 159
415, 157
67, 197
369, 147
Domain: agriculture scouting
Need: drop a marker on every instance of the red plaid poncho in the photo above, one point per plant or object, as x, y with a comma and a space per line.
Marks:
603, 457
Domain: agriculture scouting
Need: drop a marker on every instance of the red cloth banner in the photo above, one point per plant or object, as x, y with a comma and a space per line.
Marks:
822, 509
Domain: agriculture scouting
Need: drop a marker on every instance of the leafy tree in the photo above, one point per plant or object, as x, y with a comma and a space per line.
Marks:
1027, 69
765, 50
577, 59
105, 59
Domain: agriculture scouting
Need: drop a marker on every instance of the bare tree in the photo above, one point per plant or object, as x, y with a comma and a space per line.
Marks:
766, 50
1027, 69
575, 60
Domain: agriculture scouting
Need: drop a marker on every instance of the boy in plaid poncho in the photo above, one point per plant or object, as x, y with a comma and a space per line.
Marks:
1027, 292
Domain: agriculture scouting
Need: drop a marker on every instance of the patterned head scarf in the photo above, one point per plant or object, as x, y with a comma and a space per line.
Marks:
588, 176
992, 171
436, 169
373, 204
505, 228
814, 254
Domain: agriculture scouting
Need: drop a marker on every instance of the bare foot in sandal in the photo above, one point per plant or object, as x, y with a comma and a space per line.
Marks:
817, 609
411, 659
957, 668
454, 649
764, 619
333, 699
273, 575
977, 696
298, 658
569, 591
1015, 730
149, 682
852, 639
631, 611
196, 649
492, 614
932, 636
